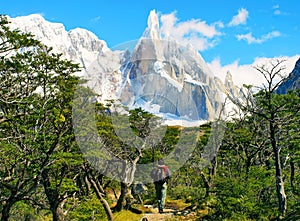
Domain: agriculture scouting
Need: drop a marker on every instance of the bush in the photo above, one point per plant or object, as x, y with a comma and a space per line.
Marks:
89, 208
250, 197
188, 194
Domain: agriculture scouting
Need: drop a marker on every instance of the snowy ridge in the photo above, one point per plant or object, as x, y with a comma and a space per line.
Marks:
79, 45
163, 68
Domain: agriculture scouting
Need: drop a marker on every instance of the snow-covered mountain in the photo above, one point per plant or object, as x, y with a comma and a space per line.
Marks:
157, 74
79, 45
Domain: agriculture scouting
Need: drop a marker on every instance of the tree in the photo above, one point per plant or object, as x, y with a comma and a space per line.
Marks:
274, 113
35, 123
17, 87
127, 135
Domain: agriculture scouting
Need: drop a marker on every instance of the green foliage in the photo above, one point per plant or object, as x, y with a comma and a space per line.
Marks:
250, 197
35, 122
22, 211
88, 208
188, 194
163, 147
14, 39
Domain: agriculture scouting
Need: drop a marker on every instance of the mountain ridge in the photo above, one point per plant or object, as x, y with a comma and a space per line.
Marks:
120, 73
292, 82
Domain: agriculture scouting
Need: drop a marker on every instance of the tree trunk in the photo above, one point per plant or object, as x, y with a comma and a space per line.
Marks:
122, 198
101, 198
206, 184
282, 200
213, 169
129, 171
292, 179
6, 210
57, 214
53, 197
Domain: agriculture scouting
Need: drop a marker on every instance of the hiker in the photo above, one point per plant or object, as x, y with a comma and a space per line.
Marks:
160, 175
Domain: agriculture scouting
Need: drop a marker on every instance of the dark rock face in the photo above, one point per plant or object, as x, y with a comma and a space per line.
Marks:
292, 82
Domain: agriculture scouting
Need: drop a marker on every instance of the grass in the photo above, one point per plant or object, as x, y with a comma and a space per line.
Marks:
126, 215
177, 204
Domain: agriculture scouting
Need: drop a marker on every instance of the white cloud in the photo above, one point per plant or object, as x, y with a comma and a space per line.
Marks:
200, 34
240, 18
241, 74
277, 12
96, 19
246, 74
250, 39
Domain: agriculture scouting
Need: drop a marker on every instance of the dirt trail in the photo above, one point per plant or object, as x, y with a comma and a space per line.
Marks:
155, 216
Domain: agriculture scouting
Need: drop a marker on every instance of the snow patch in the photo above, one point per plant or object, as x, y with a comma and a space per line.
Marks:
159, 69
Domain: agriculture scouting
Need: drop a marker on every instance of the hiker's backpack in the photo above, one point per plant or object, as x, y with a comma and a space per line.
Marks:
159, 174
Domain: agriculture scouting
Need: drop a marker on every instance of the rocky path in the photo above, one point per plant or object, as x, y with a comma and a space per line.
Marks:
154, 215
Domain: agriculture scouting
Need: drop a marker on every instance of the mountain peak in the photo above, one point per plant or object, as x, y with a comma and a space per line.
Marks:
152, 31
155, 70
32, 18
33, 23
292, 82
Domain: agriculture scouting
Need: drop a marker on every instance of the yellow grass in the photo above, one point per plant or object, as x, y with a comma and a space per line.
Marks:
126, 215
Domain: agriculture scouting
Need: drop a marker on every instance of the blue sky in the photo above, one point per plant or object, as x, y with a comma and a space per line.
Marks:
226, 32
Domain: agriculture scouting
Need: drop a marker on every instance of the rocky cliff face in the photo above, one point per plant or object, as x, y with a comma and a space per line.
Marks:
158, 74
169, 77
166, 75
292, 82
